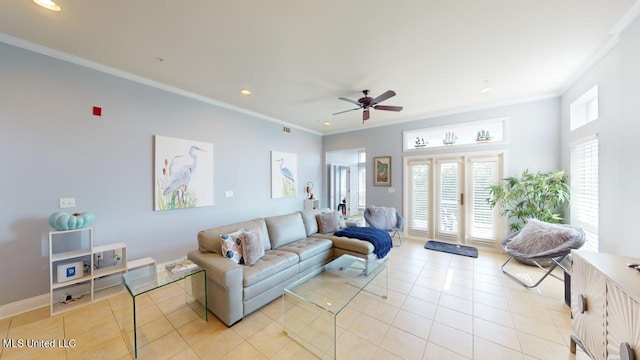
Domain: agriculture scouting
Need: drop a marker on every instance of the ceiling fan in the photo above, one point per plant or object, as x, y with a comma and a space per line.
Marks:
366, 102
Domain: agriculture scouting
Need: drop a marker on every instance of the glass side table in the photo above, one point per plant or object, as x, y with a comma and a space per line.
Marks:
140, 281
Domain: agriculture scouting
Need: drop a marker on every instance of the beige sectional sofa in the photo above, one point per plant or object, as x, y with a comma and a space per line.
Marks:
293, 248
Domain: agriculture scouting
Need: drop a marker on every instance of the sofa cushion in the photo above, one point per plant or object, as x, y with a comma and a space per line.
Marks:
309, 219
271, 263
352, 245
285, 229
252, 246
309, 247
209, 240
231, 246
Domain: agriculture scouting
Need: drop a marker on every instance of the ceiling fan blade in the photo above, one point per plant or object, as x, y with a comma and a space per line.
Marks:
365, 115
340, 112
351, 101
388, 107
387, 94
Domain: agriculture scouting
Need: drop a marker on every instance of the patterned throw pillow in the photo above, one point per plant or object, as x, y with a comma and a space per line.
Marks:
252, 246
232, 246
342, 224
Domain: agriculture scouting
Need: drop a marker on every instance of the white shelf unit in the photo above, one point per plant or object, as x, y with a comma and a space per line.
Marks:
98, 281
311, 204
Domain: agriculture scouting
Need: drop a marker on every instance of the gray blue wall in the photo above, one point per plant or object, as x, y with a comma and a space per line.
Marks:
51, 146
618, 78
534, 143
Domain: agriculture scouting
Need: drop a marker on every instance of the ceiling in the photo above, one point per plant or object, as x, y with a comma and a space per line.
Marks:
298, 56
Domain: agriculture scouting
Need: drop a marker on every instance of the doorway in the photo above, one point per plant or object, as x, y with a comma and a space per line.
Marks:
346, 190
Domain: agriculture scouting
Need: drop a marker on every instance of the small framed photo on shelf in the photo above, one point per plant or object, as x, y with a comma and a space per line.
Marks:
382, 171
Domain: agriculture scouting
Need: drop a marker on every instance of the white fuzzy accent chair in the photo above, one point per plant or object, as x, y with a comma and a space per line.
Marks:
539, 242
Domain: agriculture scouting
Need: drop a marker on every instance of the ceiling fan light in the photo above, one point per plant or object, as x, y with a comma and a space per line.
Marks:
48, 4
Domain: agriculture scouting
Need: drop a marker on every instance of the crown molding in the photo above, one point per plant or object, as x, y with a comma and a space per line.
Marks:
56, 54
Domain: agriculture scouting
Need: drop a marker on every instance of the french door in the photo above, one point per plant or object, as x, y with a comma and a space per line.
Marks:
446, 197
449, 199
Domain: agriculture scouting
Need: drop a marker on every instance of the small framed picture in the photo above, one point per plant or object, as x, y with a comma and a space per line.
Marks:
382, 171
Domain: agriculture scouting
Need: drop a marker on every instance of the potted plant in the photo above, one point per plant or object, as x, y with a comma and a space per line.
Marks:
539, 196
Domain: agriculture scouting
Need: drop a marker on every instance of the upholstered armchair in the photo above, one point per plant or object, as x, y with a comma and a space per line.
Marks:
385, 218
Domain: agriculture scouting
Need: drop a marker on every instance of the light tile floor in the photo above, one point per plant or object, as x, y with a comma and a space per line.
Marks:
440, 306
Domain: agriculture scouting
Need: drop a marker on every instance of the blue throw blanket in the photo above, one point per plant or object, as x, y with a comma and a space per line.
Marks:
380, 239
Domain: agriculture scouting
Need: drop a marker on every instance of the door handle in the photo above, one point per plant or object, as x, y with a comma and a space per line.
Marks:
461, 199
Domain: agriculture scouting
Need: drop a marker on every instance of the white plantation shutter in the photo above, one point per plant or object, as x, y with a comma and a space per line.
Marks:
482, 219
449, 199
435, 209
584, 189
419, 198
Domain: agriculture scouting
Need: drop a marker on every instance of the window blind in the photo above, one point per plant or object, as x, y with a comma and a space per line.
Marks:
483, 175
419, 201
449, 216
584, 189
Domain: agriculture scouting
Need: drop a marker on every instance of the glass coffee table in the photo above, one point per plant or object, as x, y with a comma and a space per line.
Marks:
312, 304
141, 281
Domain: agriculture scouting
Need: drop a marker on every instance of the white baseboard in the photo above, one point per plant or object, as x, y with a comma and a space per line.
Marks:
25, 305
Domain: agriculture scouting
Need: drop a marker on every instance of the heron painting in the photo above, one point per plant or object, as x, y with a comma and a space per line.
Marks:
183, 173
284, 175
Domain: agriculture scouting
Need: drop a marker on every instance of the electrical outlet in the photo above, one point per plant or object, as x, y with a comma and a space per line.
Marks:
67, 202
99, 256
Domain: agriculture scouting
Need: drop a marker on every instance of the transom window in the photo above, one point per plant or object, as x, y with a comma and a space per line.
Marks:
585, 109
471, 133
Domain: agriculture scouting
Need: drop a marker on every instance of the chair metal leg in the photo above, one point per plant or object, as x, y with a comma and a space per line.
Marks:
397, 232
548, 271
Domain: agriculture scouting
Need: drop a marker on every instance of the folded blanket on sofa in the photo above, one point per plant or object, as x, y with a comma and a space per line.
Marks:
380, 239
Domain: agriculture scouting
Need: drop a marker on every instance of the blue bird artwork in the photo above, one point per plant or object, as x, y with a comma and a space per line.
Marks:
177, 185
284, 175
180, 172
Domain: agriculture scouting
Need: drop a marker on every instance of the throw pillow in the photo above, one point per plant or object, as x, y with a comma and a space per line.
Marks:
232, 246
252, 246
341, 223
539, 236
327, 222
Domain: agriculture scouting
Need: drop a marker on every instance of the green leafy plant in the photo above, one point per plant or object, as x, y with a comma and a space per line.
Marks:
539, 196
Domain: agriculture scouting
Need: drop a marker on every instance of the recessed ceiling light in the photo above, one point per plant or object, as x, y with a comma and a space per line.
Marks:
485, 87
245, 92
48, 4
327, 123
